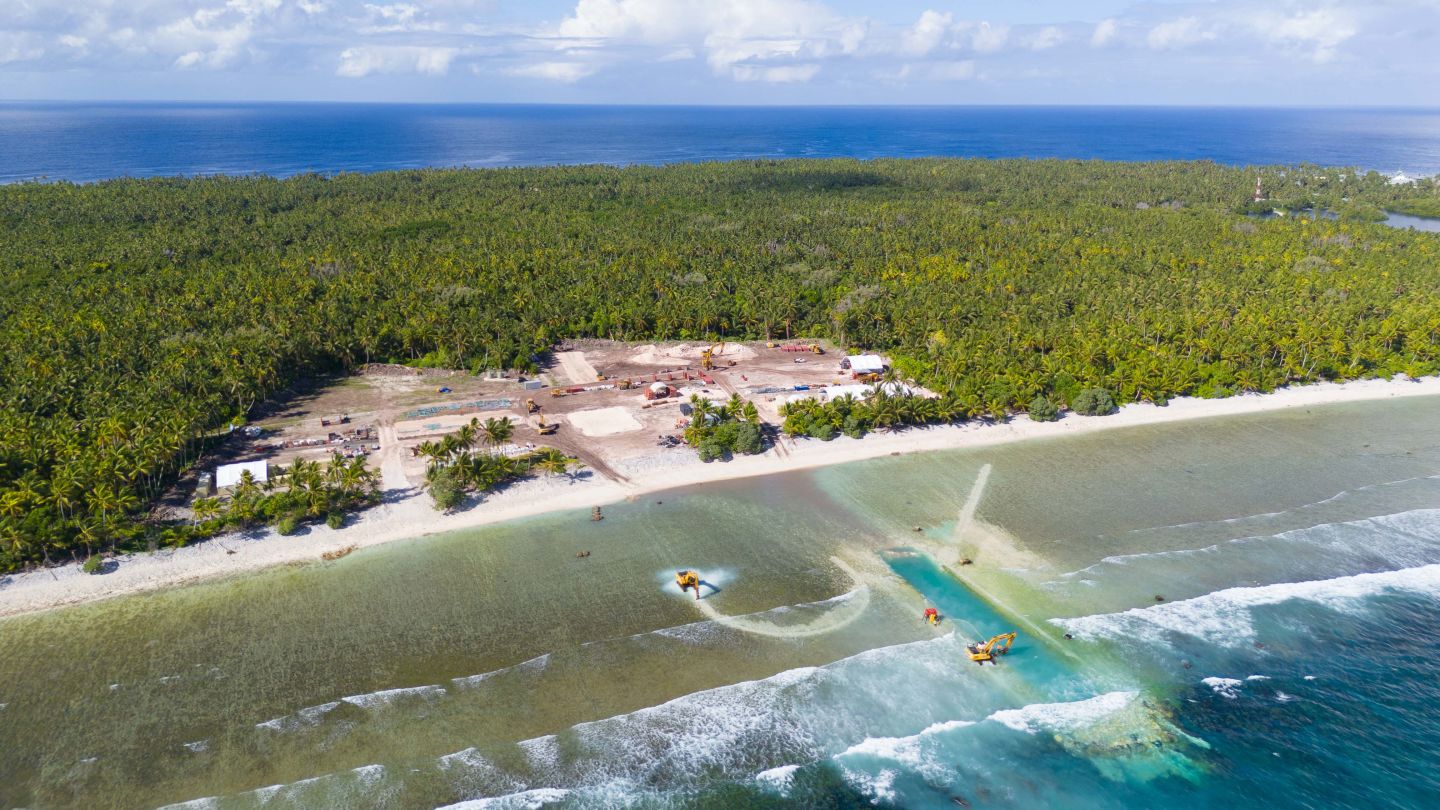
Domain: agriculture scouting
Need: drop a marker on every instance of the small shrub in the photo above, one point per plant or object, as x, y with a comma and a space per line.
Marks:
335, 520
1043, 410
748, 439
1094, 402
446, 489
823, 431
854, 427
287, 525
92, 564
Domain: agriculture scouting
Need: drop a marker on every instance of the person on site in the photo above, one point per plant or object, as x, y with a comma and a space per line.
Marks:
687, 580
932, 615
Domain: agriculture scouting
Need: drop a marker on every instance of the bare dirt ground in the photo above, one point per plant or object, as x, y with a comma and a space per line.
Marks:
608, 424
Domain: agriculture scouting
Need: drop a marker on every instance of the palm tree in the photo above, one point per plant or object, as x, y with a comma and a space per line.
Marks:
465, 436
205, 509
497, 431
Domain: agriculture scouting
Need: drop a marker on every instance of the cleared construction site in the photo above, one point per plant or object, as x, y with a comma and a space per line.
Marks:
612, 405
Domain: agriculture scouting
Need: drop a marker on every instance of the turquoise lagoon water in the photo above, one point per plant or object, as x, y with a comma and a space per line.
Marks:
1210, 613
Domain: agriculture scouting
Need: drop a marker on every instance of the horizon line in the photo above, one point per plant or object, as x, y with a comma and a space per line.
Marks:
680, 105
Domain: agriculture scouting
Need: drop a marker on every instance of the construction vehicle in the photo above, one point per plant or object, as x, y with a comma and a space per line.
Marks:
557, 392
999, 645
707, 361
546, 428
531, 407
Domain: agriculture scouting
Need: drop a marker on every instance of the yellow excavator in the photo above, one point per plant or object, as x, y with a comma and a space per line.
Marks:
531, 407
999, 645
546, 428
707, 356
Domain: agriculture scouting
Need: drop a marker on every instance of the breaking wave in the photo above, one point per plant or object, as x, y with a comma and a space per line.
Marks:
1226, 617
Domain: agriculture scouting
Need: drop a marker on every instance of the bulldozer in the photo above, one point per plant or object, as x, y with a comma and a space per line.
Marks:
999, 645
707, 356
546, 428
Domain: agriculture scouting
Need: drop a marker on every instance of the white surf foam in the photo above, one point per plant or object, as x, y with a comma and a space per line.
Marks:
542, 753
533, 665
878, 787
526, 800
1225, 617
777, 780
1403, 540
1058, 717
1224, 687
904, 750
207, 803
385, 697
312, 715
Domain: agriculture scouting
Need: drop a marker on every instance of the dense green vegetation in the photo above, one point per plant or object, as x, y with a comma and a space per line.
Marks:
137, 316
882, 408
719, 432
289, 498
456, 467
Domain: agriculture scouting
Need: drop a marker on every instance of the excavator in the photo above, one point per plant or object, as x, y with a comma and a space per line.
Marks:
999, 645
531, 407
707, 361
544, 428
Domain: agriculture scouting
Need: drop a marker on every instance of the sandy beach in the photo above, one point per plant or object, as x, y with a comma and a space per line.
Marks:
408, 513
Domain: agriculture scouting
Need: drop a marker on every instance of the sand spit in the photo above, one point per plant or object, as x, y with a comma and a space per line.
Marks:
407, 512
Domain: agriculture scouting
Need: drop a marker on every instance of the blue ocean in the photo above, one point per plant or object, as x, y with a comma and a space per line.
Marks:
1218, 613
95, 141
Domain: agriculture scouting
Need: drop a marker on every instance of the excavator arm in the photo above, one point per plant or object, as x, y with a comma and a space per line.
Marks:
999, 645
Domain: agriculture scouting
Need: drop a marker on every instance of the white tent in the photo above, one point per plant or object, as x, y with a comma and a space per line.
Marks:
228, 475
866, 363
832, 392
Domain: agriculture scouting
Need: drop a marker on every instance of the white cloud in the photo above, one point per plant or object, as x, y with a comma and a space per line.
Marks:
989, 38
953, 71
1178, 33
783, 74
1045, 39
365, 60
19, 47
566, 72
927, 33
1105, 31
1319, 31
742, 38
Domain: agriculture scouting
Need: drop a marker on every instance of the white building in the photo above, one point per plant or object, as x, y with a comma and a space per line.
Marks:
228, 475
864, 363
858, 391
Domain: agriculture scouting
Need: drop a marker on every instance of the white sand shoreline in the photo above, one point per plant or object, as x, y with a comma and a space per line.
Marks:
408, 514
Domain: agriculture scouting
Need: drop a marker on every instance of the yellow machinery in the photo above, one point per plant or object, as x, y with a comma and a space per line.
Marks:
544, 428
557, 392
815, 349
999, 645
531, 407
707, 356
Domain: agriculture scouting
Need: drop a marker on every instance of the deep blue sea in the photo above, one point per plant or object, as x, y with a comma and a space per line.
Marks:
95, 141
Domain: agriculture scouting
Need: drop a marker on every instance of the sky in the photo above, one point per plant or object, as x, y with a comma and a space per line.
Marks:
1241, 52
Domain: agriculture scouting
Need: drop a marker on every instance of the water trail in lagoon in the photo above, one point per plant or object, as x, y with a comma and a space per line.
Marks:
846, 609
